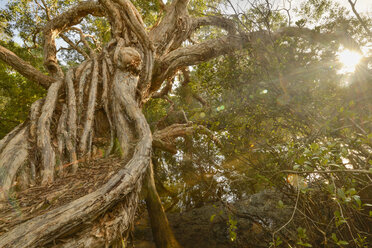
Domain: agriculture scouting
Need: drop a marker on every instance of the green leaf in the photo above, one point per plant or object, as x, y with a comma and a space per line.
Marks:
334, 237
357, 199
351, 191
342, 242
280, 204
304, 244
212, 217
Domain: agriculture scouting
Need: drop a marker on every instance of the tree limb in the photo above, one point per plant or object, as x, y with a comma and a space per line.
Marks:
173, 28
24, 68
163, 138
218, 21
169, 63
363, 23
185, 56
69, 18
74, 46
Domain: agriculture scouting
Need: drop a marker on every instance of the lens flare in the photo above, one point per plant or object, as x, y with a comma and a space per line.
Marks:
349, 60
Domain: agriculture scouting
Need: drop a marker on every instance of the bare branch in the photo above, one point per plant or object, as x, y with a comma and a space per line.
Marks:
161, 4
362, 22
327, 171
83, 39
165, 90
74, 46
24, 68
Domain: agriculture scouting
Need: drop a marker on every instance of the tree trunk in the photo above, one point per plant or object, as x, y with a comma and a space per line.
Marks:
161, 231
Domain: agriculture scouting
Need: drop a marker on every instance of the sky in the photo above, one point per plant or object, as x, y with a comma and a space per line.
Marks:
364, 6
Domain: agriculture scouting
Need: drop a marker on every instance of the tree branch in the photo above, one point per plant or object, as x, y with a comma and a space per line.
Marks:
74, 46
163, 139
195, 54
69, 18
169, 63
362, 22
173, 29
24, 68
218, 21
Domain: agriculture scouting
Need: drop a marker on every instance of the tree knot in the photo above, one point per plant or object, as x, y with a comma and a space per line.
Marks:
128, 58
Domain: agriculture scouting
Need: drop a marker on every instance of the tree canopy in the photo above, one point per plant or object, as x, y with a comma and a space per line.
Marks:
261, 110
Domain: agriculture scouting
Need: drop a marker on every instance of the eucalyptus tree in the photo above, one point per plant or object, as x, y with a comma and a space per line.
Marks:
113, 75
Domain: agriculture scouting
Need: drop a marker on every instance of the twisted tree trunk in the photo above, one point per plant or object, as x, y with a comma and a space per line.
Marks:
108, 89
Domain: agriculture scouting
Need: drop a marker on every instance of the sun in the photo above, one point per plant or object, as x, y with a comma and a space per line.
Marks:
349, 60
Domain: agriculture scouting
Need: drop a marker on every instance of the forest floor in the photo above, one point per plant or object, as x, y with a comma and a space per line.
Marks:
23, 205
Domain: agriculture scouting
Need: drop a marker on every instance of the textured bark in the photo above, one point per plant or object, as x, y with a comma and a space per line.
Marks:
12, 157
24, 68
43, 133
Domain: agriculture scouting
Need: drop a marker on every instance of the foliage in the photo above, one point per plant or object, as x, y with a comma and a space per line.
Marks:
282, 110
16, 93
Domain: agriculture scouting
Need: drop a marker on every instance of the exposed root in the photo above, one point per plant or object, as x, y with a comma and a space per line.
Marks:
71, 120
105, 102
80, 98
12, 158
61, 139
33, 157
43, 130
86, 137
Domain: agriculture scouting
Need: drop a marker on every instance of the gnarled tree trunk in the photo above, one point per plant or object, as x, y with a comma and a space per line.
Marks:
108, 89
62, 128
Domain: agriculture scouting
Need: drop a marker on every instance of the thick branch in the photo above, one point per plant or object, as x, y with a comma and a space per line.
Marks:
195, 54
173, 28
24, 68
218, 21
169, 63
163, 139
